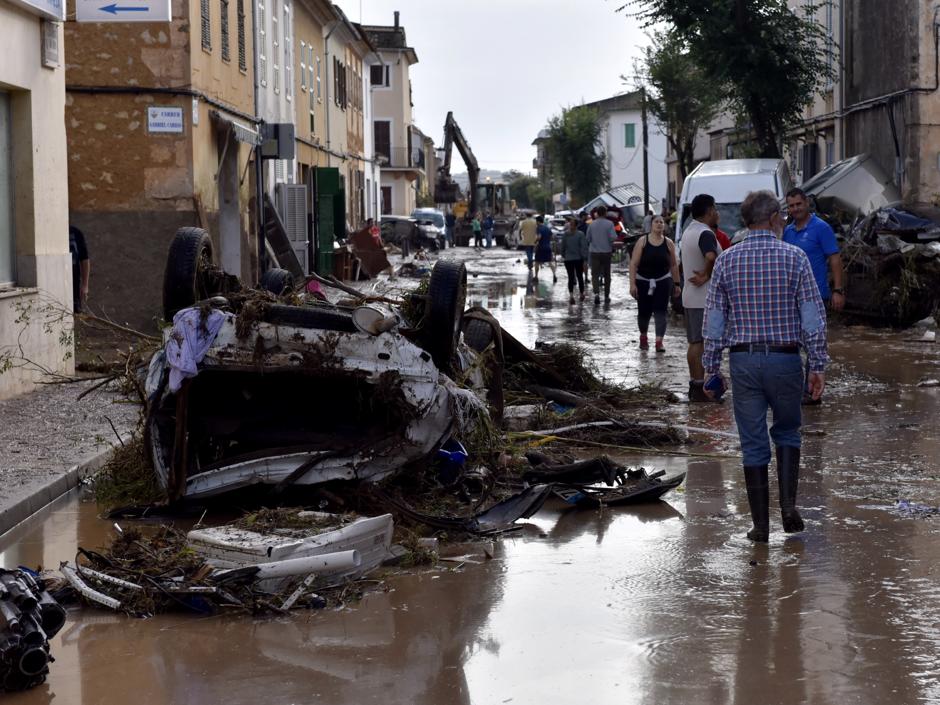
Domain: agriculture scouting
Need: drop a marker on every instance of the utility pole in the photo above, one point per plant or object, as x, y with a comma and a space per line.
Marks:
646, 156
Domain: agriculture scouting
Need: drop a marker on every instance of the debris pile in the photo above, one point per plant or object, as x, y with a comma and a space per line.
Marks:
29, 617
268, 561
892, 263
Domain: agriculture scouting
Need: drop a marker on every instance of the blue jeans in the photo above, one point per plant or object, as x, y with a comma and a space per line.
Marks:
449, 234
488, 236
529, 254
760, 381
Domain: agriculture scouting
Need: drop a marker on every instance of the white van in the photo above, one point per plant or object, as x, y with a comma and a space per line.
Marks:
729, 181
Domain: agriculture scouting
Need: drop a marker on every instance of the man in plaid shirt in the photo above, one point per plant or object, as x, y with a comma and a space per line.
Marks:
763, 303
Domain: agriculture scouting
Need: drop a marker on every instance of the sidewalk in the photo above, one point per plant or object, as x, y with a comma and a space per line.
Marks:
49, 440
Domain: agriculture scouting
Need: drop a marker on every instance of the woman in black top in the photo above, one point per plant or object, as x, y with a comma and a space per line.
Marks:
654, 274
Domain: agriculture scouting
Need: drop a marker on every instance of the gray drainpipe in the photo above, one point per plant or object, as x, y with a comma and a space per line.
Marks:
259, 166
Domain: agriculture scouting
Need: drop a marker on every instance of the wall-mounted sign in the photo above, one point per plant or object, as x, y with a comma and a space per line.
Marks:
122, 10
50, 44
53, 9
166, 120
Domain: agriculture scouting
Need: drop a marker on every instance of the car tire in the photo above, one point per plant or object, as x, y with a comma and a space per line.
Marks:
277, 281
309, 317
447, 297
184, 280
477, 334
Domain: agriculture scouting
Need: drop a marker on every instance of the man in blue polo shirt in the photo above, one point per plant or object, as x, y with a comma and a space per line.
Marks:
814, 236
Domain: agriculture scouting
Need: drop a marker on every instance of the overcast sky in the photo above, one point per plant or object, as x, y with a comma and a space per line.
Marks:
505, 66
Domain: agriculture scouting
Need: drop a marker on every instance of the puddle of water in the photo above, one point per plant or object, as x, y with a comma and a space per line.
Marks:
666, 603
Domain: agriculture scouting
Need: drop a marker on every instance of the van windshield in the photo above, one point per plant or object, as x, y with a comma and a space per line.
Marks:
730, 221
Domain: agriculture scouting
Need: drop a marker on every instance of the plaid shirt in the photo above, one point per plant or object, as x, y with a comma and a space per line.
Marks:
763, 291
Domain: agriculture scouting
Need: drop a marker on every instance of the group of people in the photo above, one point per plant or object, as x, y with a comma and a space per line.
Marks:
764, 299
585, 243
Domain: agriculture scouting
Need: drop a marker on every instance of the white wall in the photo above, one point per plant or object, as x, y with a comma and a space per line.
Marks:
625, 164
40, 204
275, 94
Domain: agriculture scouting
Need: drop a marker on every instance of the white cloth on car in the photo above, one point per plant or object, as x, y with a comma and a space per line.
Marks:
190, 340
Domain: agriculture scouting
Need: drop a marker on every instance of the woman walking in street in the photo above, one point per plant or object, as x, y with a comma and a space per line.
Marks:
574, 253
652, 266
543, 249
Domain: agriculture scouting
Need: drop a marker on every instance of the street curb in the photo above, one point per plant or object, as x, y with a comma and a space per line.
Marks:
46, 494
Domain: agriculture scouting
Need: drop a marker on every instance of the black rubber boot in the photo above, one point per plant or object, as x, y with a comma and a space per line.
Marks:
755, 477
788, 478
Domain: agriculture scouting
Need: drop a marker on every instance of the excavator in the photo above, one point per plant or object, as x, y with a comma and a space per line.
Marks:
488, 197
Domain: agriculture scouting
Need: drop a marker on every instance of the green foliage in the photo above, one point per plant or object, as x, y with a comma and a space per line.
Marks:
678, 97
526, 190
574, 143
766, 60
424, 199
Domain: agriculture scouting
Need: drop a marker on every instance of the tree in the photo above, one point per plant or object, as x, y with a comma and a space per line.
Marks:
678, 99
574, 143
525, 190
766, 60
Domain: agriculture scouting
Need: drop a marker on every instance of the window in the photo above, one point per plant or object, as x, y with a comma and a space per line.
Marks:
288, 63
262, 45
629, 135
318, 79
223, 26
313, 123
240, 28
303, 66
275, 46
340, 96
206, 27
379, 76
7, 260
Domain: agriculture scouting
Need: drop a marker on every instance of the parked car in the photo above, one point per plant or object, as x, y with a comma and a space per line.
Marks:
431, 223
729, 181
409, 233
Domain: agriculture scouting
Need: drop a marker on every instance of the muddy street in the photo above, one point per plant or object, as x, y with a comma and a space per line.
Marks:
662, 603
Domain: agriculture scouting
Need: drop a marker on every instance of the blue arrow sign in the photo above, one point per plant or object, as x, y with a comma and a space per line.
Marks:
114, 8
120, 10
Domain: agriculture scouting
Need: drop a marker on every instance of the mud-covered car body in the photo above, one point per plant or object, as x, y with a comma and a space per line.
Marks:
303, 394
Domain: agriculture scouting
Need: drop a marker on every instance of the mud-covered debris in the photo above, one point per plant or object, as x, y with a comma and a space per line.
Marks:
29, 617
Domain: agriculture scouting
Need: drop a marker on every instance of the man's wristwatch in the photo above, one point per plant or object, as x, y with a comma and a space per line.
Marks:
841, 292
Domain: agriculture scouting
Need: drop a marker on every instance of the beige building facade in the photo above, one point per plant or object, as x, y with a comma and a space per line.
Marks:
161, 131
35, 266
392, 118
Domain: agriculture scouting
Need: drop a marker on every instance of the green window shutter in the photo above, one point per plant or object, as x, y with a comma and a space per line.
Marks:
629, 135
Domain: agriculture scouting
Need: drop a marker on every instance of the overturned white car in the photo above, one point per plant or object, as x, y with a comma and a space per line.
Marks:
249, 391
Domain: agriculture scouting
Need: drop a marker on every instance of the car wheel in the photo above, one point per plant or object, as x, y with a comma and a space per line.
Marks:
277, 281
188, 262
447, 296
309, 317
477, 334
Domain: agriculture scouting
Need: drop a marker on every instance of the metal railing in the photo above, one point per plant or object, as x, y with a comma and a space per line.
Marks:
401, 157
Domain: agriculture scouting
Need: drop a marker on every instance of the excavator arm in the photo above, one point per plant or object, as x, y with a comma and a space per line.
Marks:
446, 188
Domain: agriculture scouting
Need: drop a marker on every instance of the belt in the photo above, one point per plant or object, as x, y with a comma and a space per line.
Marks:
766, 348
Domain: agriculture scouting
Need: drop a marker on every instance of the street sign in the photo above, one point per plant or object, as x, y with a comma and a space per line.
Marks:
166, 119
122, 11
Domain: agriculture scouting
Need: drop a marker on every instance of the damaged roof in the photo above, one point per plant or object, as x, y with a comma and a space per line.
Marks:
392, 38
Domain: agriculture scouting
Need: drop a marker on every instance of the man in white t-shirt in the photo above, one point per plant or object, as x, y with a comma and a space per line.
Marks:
698, 251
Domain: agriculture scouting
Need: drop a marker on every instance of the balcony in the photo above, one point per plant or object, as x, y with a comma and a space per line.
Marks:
400, 158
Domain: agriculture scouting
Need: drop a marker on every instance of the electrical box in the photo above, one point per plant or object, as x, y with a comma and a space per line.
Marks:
277, 140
